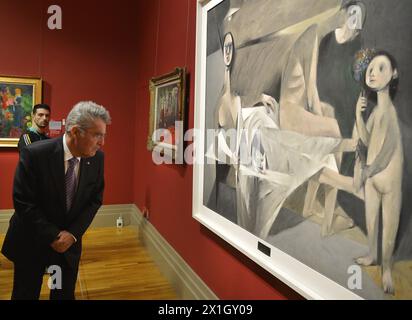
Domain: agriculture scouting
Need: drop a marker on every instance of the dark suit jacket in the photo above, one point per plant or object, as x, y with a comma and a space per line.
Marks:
40, 205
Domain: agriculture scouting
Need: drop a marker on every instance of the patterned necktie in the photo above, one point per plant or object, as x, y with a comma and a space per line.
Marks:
70, 182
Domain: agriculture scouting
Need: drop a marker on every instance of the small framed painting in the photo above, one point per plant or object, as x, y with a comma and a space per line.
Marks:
17, 98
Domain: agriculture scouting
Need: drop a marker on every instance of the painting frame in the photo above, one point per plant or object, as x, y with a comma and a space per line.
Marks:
31, 95
167, 105
308, 282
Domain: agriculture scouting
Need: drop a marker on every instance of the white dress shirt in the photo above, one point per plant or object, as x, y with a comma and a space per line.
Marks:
67, 156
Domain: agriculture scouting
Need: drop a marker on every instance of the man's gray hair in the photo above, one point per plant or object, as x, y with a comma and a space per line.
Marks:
85, 113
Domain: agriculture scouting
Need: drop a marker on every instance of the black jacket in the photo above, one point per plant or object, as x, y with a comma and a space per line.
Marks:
40, 206
29, 137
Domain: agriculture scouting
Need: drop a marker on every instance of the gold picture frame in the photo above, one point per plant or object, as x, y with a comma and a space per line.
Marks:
167, 112
18, 95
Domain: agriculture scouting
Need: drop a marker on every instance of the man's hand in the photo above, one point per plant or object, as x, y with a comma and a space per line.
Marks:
63, 242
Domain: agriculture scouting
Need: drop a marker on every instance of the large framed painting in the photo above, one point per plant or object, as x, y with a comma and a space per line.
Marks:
303, 150
167, 112
17, 98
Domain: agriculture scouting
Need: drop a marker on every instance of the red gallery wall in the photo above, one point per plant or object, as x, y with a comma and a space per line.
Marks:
93, 57
166, 190
107, 51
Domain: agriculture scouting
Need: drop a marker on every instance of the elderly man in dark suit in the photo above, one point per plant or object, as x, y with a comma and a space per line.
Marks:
58, 188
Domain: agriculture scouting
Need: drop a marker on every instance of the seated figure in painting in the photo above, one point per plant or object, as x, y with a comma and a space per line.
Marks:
301, 108
268, 163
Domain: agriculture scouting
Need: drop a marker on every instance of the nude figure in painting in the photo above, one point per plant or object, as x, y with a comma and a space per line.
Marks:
379, 165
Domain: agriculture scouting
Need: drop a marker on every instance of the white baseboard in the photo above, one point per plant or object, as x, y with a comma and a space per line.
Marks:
108, 214
187, 284
105, 217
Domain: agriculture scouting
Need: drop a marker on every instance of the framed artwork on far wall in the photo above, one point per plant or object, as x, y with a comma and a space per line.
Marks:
167, 113
18, 95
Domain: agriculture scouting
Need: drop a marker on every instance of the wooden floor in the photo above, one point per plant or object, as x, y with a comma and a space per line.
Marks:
114, 265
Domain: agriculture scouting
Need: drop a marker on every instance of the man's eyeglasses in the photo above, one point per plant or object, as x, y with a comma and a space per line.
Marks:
95, 135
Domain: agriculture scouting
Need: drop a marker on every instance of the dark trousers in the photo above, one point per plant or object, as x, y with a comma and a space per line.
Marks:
28, 279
